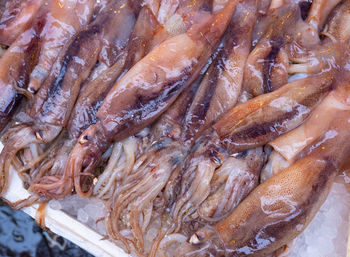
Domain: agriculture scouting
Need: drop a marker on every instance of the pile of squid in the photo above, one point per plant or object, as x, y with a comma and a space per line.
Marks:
207, 127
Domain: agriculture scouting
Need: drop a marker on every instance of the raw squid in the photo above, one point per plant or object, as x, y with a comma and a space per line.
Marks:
292, 143
48, 22
167, 111
150, 172
280, 208
286, 37
54, 101
289, 145
249, 124
263, 118
219, 91
177, 128
60, 184
16, 17
15, 67
147, 90
63, 20
231, 183
124, 153
179, 18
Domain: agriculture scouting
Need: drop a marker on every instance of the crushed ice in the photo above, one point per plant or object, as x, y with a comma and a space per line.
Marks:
89, 211
326, 236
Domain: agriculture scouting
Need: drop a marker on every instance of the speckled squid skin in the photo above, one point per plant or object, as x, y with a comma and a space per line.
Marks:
90, 100
149, 87
15, 17
15, 67
56, 98
53, 103
280, 208
263, 118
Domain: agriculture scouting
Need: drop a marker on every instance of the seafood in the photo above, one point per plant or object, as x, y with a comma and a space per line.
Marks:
247, 125
195, 110
236, 127
147, 89
207, 127
63, 20
219, 91
60, 184
124, 153
48, 22
16, 17
280, 208
55, 100
151, 168
16, 65
279, 48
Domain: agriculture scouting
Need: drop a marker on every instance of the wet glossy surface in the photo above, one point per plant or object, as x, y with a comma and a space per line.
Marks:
211, 98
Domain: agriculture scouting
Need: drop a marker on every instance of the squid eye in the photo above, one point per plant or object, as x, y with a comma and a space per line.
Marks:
195, 239
84, 139
215, 159
39, 135
31, 90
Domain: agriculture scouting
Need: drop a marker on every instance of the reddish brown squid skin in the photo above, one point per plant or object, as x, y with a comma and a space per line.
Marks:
15, 67
56, 98
16, 17
63, 20
147, 90
286, 35
279, 209
218, 92
89, 101
53, 104
262, 60
263, 118
222, 83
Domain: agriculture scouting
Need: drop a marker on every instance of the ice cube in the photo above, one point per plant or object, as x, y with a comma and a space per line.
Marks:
82, 216
54, 204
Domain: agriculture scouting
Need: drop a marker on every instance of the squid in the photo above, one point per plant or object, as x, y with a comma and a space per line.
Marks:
63, 20
219, 92
287, 39
287, 147
294, 101
161, 164
150, 172
215, 150
284, 204
231, 183
47, 47
16, 18
291, 144
261, 119
58, 187
148, 89
124, 153
15, 67
56, 183
280, 208
55, 100
177, 17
